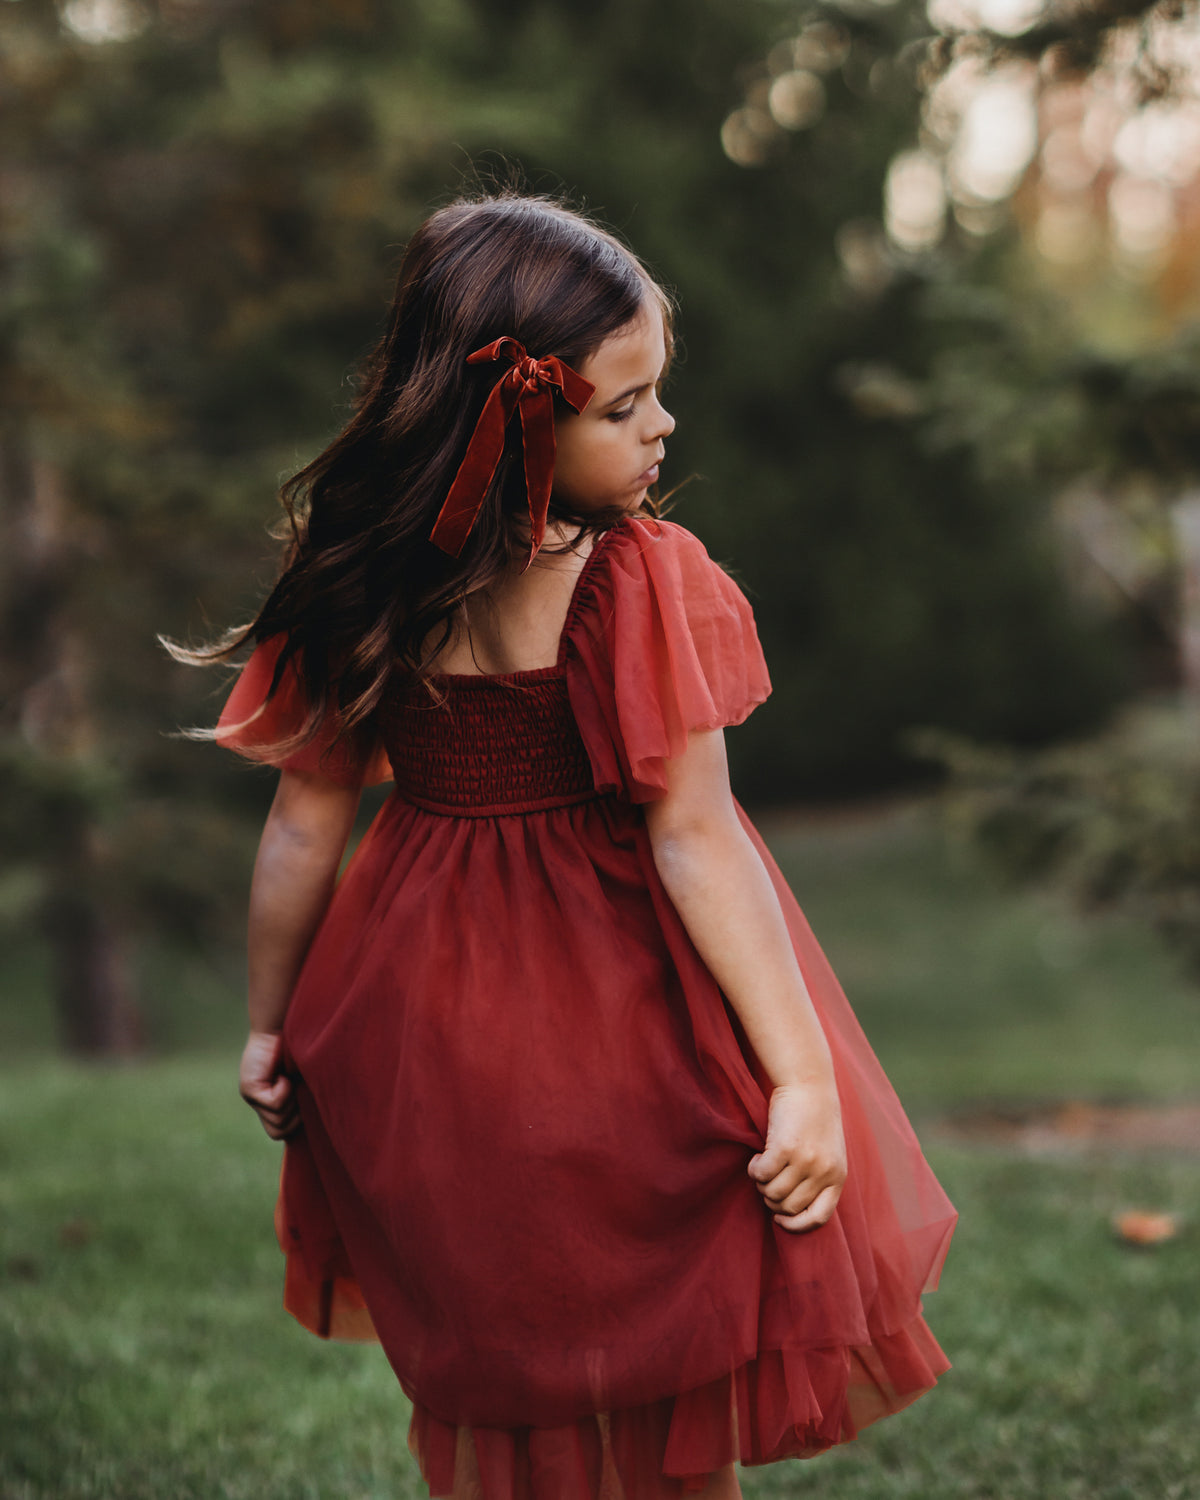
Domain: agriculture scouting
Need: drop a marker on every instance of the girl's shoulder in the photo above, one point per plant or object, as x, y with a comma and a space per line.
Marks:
646, 555
641, 533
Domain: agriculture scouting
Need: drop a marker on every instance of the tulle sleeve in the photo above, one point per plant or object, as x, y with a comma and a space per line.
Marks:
662, 643
347, 764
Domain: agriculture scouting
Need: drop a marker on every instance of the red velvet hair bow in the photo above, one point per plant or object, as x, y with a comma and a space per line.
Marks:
528, 384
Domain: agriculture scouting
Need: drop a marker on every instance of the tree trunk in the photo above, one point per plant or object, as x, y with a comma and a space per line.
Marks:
96, 1010
1185, 515
46, 712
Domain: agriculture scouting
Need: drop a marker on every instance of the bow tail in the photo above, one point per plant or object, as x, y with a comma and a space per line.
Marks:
537, 436
476, 472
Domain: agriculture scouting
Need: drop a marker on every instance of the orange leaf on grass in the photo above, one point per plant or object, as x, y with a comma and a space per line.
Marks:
1137, 1226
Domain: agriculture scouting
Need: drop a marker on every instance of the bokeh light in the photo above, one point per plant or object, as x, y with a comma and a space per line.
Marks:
99, 21
1142, 216
791, 98
747, 134
996, 138
914, 201
796, 99
1006, 17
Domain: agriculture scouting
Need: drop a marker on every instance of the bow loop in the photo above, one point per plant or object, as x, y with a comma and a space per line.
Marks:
528, 385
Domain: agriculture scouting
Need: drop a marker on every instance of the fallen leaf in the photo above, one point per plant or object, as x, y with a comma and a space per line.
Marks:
1137, 1226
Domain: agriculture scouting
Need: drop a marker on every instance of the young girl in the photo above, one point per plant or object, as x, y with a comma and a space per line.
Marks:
579, 1124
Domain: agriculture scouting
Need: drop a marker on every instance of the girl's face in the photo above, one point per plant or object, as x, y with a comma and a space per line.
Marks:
608, 454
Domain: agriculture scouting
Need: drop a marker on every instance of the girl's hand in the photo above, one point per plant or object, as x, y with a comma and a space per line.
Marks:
801, 1169
265, 1089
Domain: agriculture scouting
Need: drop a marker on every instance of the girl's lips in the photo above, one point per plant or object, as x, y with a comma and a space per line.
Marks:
647, 477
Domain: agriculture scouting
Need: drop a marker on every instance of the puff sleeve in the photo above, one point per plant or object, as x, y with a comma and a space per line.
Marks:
663, 643
281, 716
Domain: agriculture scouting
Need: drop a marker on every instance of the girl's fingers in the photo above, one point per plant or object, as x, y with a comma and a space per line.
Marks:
272, 1119
818, 1212
278, 1086
274, 1113
783, 1182
267, 1091
804, 1178
267, 1095
279, 1127
275, 1108
268, 1107
767, 1164
804, 1193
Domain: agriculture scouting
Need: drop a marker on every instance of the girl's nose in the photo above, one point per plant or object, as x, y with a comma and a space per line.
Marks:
664, 422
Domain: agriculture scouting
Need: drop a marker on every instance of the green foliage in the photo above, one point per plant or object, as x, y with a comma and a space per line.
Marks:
1033, 403
144, 1353
1114, 821
1073, 42
971, 990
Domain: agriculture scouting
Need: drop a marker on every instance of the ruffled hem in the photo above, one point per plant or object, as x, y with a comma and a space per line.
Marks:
254, 721
784, 1404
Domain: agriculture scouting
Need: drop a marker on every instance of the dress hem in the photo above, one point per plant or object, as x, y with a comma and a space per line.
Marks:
771, 1408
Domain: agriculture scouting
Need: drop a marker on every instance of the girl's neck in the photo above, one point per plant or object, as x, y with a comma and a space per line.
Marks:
516, 624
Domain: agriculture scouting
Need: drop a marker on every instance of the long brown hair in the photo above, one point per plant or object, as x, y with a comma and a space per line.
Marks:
364, 600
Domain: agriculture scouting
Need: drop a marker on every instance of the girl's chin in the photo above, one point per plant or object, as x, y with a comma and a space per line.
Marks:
629, 502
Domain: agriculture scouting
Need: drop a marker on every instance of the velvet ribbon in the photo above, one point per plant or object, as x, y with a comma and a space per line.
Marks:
527, 385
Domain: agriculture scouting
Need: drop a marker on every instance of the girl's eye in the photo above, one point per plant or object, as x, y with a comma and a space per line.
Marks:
622, 415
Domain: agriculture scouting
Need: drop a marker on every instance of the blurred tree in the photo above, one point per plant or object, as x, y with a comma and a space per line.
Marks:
1113, 820
200, 200
191, 242
931, 585
1112, 418
1069, 41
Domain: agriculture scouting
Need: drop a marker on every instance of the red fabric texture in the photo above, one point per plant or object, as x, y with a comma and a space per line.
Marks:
667, 646
249, 723
528, 1109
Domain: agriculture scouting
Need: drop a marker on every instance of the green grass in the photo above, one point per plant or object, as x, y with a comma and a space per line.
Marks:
144, 1355
970, 991
144, 1350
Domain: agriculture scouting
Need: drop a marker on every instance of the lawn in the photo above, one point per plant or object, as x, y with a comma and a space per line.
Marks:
143, 1354
970, 991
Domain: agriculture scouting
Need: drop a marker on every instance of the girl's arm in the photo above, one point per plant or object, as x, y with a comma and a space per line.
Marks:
298, 857
720, 887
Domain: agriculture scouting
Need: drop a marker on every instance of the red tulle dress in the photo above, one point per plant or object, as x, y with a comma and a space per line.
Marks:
528, 1109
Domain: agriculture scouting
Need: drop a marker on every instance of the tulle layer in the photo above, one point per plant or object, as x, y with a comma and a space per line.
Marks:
251, 724
784, 1404
660, 642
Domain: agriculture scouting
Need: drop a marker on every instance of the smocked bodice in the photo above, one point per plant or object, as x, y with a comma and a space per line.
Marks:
492, 745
